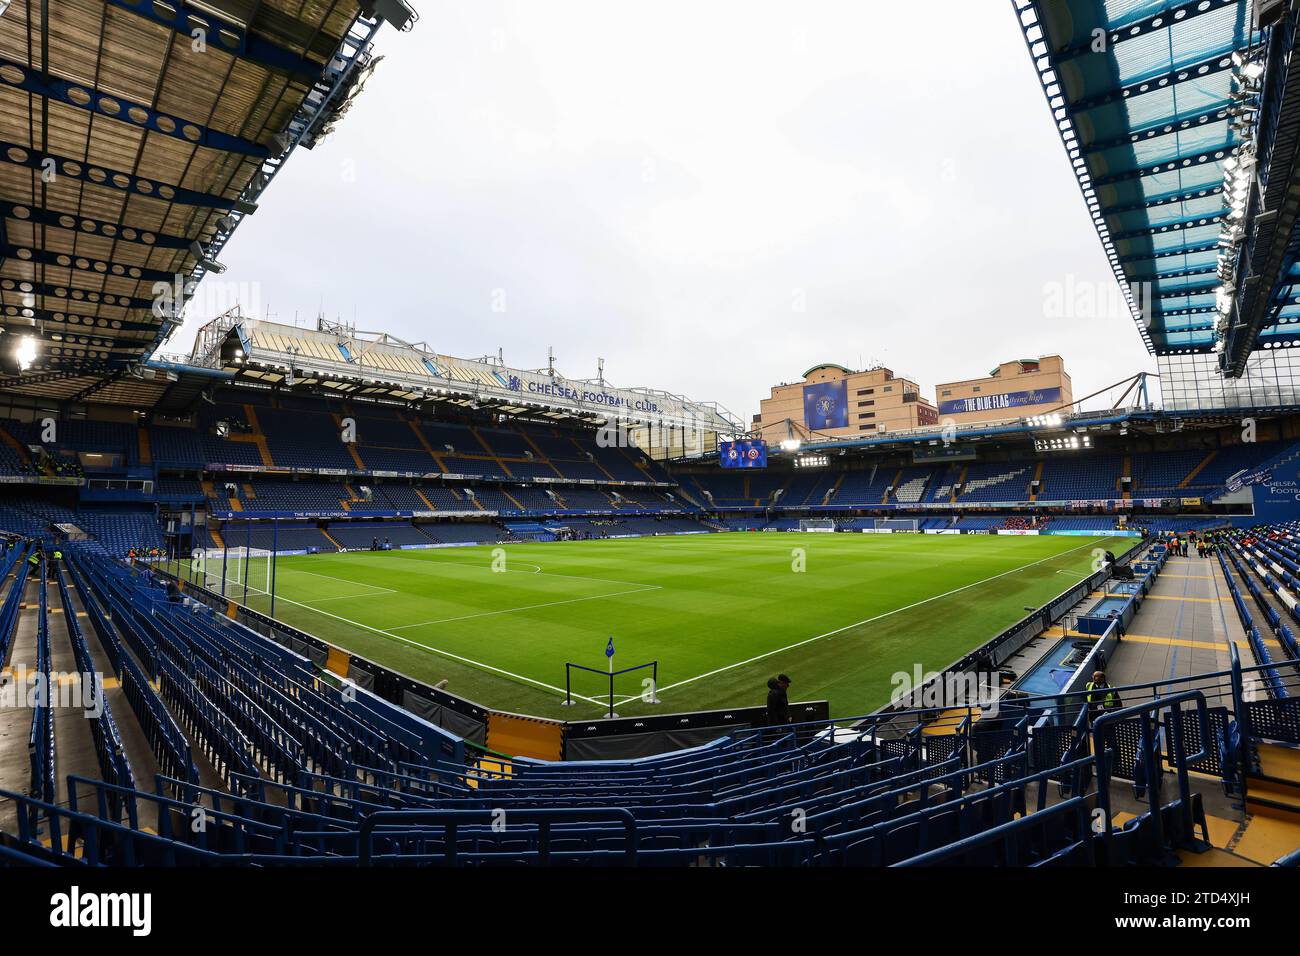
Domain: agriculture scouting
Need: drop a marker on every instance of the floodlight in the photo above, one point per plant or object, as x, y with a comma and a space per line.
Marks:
26, 352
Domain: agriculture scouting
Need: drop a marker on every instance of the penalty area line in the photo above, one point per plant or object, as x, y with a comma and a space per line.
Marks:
448, 654
351, 597
529, 607
537, 570
359, 584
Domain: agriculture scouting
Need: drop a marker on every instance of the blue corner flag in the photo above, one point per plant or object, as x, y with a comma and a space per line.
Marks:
609, 648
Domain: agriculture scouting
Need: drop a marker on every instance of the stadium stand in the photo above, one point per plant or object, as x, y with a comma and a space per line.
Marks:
286, 536
289, 771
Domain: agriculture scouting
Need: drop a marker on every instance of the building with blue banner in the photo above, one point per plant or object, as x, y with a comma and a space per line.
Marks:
1018, 389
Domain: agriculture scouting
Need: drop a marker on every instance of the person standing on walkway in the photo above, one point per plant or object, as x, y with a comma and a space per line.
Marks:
778, 701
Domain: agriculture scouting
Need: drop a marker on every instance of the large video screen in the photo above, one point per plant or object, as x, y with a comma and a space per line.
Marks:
826, 405
750, 453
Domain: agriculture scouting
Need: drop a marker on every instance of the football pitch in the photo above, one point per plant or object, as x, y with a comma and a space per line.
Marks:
721, 613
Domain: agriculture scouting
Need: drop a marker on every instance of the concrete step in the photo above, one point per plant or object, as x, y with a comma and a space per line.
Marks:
1275, 794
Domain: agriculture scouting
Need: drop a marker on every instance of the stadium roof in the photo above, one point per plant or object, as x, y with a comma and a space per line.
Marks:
135, 136
336, 359
1145, 97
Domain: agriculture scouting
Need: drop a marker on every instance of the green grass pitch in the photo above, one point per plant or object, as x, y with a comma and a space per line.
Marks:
720, 612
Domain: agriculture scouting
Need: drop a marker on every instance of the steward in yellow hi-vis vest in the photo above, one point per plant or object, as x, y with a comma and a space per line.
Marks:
1101, 696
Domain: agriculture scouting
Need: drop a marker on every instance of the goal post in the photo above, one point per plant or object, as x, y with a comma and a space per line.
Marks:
233, 567
816, 524
898, 524
647, 689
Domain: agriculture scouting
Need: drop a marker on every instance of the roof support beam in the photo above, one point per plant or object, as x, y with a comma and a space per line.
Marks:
53, 375
1175, 226
1169, 199
1178, 274
1209, 289
224, 35
1198, 310
126, 111
1168, 166
97, 339
1168, 163
94, 387
1199, 70
91, 297
1162, 127
90, 227
1129, 31
78, 323
1166, 253
98, 267
49, 163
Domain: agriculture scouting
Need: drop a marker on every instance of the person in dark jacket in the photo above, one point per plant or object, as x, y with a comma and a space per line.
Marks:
1101, 696
778, 703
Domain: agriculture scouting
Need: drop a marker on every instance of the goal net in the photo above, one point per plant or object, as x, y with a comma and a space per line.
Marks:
898, 524
816, 524
611, 688
233, 566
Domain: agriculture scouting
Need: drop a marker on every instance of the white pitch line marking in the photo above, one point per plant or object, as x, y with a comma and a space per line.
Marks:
332, 577
449, 654
550, 574
352, 597
869, 620
529, 607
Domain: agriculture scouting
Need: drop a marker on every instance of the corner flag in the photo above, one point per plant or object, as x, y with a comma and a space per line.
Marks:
609, 648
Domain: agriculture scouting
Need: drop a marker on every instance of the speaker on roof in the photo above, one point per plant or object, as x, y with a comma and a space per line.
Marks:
396, 12
1269, 12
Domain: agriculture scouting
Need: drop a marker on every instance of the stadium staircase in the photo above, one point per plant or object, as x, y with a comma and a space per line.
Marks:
424, 442
1273, 785
833, 490
18, 448
958, 486
1191, 475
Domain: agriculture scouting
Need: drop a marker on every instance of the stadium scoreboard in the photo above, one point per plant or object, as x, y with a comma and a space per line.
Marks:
749, 453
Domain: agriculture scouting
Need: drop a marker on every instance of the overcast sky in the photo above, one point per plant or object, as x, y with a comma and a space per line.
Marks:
710, 196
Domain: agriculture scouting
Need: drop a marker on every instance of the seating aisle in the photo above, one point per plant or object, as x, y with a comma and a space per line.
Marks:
1182, 627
